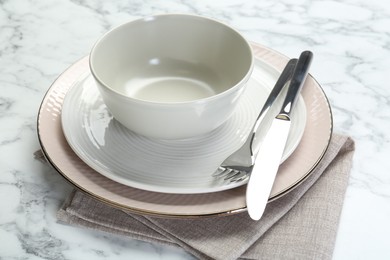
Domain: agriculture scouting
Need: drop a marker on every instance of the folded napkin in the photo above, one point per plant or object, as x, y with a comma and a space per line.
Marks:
301, 225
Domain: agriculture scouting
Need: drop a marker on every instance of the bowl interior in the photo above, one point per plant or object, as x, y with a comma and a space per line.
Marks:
171, 58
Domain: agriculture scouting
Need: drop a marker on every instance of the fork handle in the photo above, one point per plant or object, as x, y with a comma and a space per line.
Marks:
284, 77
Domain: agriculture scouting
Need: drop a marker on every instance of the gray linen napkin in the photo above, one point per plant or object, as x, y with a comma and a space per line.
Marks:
301, 225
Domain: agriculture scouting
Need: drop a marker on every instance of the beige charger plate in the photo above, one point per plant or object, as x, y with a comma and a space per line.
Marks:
294, 170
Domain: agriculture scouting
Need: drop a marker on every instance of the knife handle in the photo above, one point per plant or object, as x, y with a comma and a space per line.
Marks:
296, 83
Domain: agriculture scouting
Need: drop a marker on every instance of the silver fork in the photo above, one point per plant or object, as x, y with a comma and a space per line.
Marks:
238, 165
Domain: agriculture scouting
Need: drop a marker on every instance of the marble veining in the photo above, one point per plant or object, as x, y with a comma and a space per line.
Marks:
39, 39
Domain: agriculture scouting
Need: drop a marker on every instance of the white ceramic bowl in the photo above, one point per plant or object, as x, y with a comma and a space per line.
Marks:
171, 76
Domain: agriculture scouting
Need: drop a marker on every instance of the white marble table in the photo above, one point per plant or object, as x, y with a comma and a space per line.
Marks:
39, 39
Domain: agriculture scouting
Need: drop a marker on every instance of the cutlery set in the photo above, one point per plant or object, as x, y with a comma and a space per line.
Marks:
261, 164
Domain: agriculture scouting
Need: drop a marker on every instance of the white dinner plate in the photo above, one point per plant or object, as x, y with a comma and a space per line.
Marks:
295, 169
169, 166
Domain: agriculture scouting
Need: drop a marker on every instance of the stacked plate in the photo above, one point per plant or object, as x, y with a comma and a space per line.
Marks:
172, 178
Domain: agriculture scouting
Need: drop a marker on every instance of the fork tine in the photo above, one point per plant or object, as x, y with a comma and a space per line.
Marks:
231, 174
240, 177
219, 172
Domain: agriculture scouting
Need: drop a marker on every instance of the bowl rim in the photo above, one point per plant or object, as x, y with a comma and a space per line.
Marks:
239, 85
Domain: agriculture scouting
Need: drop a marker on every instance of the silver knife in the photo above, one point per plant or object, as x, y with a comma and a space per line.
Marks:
271, 149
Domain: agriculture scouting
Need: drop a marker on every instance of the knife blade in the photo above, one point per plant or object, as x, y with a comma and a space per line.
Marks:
271, 149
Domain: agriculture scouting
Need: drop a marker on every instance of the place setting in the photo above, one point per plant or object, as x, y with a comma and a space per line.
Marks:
177, 130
